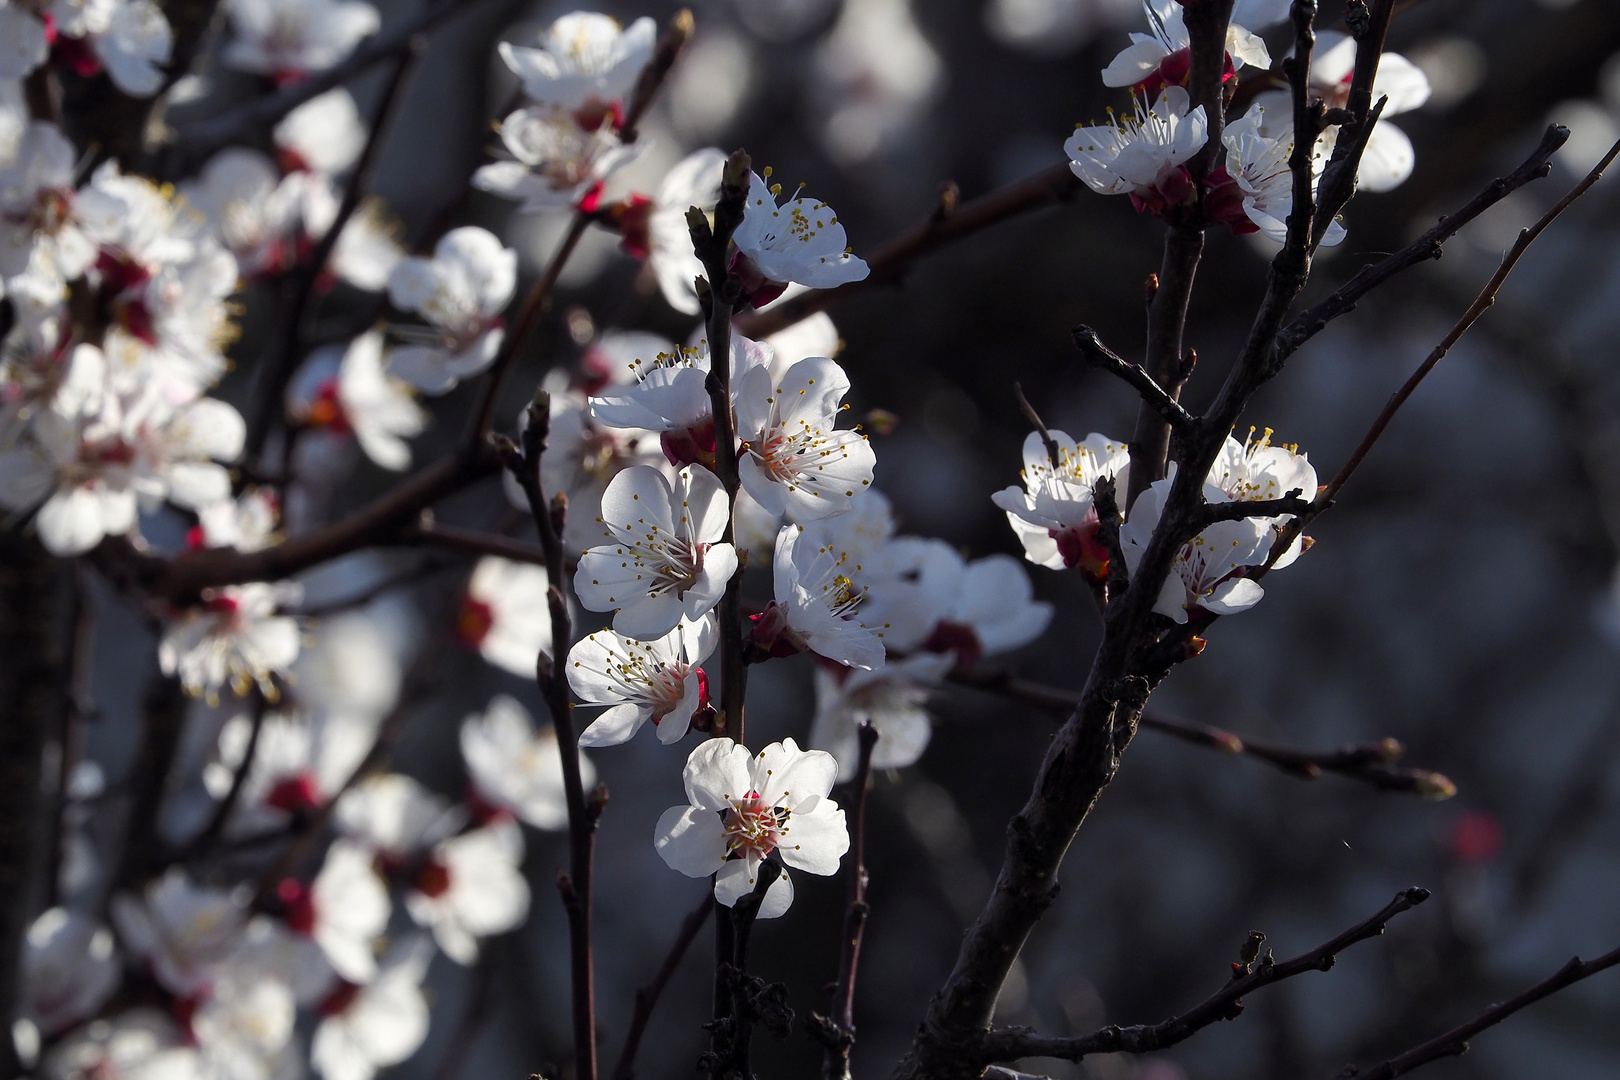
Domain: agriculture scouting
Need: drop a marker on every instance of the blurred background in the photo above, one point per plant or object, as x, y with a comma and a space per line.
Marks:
1459, 597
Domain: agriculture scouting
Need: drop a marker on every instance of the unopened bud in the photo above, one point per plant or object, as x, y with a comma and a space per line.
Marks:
1435, 786
597, 801
1230, 743
738, 166
1192, 647
1391, 749
880, 421
1151, 287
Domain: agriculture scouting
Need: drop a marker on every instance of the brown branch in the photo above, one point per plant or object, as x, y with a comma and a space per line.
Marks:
1482, 303
524, 464
1338, 181
1253, 973
944, 225
1238, 509
1455, 1042
430, 533
1153, 395
1164, 367
1053, 454
244, 123
1371, 763
647, 996
837, 1031
409, 576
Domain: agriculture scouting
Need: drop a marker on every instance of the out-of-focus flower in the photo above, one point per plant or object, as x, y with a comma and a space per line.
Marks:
795, 461
461, 292
585, 64
39, 229
1055, 516
180, 931
893, 699
395, 816
873, 77
298, 763
668, 562
244, 1024
288, 39
470, 888
800, 241
657, 680
743, 809
516, 768
246, 523
1208, 571
556, 161
24, 44
505, 614
363, 397
1162, 58
70, 969
666, 239
367, 1028
141, 1044
1142, 154
978, 608
235, 637
324, 135
344, 910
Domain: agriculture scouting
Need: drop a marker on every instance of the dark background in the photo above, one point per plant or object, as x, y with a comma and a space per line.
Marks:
1458, 598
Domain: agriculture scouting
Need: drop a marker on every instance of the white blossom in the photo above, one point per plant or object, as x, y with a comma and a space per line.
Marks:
794, 460
291, 38
461, 292
235, 637
743, 809
471, 887
70, 968
556, 161
325, 134
1254, 469
694, 181
1164, 51
39, 228
516, 768
180, 931
799, 241
1259, 167
244, 1025
141, 1044
668, 562
395, 816
1208, 573
247, 523
1055, 516
505, 614
585, 62
657, 680
343, 910
355, 393
23, 44
377, 1025
893, 699
1141, 154
819, 603
298, 763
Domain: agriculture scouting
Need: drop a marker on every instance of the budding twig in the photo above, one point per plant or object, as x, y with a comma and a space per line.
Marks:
1010, 1044
837, 1031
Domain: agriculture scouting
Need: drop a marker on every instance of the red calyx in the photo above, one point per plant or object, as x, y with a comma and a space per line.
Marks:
592, 115
768, 637
434, 879
958, 638
474, 622
759, 289
692, 446
73, 53
1223, 202
339, 1000
1175, 69
630, 218
326, 408
298, 906
295, 794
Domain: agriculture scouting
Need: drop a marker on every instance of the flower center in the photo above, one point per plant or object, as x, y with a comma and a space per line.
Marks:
754, 827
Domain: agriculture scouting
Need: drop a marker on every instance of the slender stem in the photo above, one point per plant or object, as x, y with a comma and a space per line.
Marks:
300, 291
841, 1038
1167, 315
453, 538
222, 813
647, 997
583, 813
1455, 1041
1153, 395
1252, 973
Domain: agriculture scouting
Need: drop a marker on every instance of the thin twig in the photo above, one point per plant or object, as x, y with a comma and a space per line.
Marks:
837, 1031
1372, 763
1153, 395
435, 534
1455, 1042
1253, 973
524, 464
1238, 509
647, 996
1482, 303
1052, 452
227, 806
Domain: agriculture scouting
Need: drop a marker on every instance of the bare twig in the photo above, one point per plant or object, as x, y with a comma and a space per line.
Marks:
227, 806
1153, 395
1053, 454
428, 532
1238, 509
647, 996
524, 464
1253, 973
1372, 763
1455, 1041
837, 1030
1482, 303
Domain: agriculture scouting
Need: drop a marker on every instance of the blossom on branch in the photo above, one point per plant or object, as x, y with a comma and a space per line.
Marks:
799, 242
892, 699
556, 162
505, 614
745, 809
1143, 154
471, 887
367, 1028
1208, 572
819, 604
235, 637
1055, 516
1254, 469
289, 39
657, 680
1258, 172
668, 562
586, 62
794, 461
1163, 58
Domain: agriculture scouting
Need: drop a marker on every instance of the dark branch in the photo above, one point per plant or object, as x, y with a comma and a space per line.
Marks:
1153, 395
1106, 499
1311, 321
430, 533
1053, 454
1455, 1042
647, 996
1238, 509
1225, 1004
